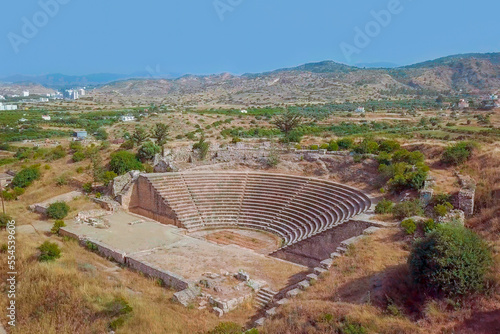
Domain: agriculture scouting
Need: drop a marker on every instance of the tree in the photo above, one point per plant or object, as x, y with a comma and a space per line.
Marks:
451, 261
160, 134
288, 121
203, 147
148, 151
139, 136
123, 162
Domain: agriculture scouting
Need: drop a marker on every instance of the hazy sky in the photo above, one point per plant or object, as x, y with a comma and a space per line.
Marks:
237, 36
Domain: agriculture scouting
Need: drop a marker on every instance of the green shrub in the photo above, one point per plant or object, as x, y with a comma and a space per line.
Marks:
235, 140
293, 137
87, 187
451, 261
409, 226
26, 177
107, 177
429, 225
203, 147
367, 147
352, 328
384, 206
148, 151
324, 146
345, 143
313, 147
226, 328
56, 153
127, 145
58, 210
442, 210
4, 220
407, 209
78, 156
57, 226
101, 134
123, 162
49, 251
75, 146
389, 146
333, 146
458, 153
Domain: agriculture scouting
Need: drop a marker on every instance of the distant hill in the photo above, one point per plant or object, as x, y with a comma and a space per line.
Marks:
61, 81
320, 82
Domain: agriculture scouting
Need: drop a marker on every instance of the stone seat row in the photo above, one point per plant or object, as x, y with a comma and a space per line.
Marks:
294, 208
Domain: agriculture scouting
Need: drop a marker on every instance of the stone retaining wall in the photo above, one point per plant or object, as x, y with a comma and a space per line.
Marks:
170, 279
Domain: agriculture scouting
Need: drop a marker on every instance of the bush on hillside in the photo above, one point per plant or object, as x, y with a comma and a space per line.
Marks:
123, 162
407, 209
389, 146
57, 226
409, 226
26, 177
148, 151
458, 153
442, 210
58, 210
78, 156
451, 261
49, 251
227, 328
367, 147
4, 220
384, 206
345, 143
333, 146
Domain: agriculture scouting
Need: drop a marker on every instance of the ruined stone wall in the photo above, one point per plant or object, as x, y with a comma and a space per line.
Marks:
106, 251
466, 195
170, 279
145, 201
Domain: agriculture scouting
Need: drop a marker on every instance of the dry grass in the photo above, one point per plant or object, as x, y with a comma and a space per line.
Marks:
371, 287
72, 295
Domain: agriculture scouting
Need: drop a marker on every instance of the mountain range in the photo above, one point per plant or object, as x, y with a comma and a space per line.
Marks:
320, 82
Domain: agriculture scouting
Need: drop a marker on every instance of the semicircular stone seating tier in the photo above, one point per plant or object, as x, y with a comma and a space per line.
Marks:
292, 207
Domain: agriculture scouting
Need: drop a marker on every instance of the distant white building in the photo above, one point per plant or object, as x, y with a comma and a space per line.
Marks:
46, 117
360, 109
2, 97
462, 104
4, 107
44, 99
127, 118
26, 93
243, 111
23, 120
81, 92
72, 94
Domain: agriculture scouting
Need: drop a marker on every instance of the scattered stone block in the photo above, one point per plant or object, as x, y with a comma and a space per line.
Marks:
218, 312
370, 230
326, 264
293, 293
259, 322
341, 250
318, 271
335, 255
303, 285
312, 277
351, 241
271, 312
283, 301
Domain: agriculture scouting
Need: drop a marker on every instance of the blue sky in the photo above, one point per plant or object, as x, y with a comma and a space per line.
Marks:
237, 36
